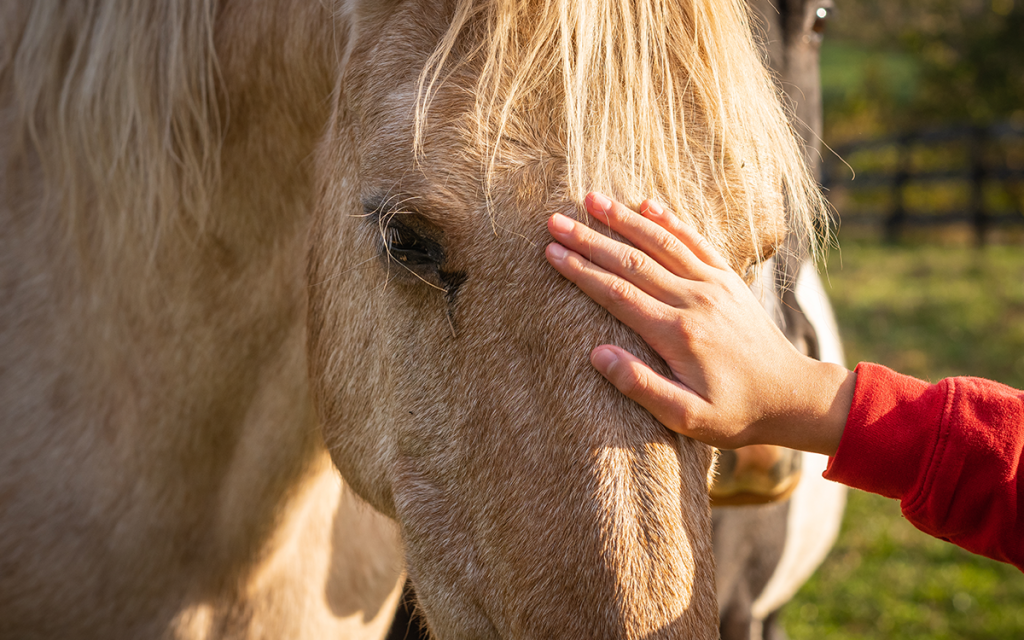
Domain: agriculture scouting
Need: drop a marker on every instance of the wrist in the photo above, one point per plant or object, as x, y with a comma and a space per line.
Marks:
831, 393
821, 395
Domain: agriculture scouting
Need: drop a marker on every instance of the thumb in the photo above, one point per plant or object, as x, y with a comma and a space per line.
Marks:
667, 400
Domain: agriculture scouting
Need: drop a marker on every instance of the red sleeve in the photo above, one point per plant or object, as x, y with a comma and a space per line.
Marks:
950, 452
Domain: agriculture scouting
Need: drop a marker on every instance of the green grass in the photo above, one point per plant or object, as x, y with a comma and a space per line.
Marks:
929, 311
932, 311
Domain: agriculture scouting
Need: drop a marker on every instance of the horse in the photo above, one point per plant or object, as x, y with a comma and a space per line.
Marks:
764, 554
276, 329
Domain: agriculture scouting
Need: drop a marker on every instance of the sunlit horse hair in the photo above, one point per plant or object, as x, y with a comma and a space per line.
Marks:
712, 140
144, 153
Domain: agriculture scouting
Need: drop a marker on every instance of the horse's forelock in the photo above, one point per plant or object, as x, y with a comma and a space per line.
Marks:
649, 98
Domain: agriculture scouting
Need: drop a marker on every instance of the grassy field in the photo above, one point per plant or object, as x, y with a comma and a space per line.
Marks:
928, 311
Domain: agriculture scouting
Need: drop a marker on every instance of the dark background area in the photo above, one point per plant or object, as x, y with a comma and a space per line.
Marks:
893, 65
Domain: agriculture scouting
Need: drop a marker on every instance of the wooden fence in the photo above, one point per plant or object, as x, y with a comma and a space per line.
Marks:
952, 176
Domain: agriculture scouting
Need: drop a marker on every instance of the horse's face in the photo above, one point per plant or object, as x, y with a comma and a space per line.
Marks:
457, 396
450, 369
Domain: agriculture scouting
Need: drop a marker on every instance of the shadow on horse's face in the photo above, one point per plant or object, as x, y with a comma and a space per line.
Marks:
452, 375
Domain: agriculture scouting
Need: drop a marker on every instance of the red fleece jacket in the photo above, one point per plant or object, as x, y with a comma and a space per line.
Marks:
950, 452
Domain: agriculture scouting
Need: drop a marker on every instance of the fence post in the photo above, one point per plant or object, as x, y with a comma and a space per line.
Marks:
979, 216
898, 215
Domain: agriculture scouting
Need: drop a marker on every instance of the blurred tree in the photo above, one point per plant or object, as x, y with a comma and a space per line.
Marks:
972, 60
898, 64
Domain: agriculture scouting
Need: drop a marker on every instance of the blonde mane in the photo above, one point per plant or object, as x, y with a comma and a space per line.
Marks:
651, 98
655, 98
119, 102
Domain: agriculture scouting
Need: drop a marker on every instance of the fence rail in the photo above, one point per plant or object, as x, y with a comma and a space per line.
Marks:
930, 178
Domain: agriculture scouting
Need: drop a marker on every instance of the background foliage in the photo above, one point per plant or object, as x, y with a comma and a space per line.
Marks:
889, 65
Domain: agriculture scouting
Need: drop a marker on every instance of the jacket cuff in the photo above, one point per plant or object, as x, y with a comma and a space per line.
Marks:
890, 433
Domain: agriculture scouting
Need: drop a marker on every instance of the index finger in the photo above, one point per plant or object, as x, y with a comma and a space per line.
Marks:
630, 304
647, 236
685, 233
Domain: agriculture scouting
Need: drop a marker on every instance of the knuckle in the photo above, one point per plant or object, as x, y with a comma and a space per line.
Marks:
689, 331
666, 243
701, 298
620, 291
634, 262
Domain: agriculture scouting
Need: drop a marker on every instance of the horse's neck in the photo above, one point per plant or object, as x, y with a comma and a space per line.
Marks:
185, 350
158, 416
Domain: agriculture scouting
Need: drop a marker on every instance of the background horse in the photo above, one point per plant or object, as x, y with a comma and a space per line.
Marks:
244, 241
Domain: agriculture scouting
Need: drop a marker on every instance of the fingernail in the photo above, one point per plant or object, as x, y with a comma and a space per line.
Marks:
655, 208
557, 251
599, 202
604, 359
561, 224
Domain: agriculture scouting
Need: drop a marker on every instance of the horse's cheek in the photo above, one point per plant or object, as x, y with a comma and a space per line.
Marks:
348, 375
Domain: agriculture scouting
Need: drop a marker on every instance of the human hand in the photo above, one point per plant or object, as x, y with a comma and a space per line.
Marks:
735, 378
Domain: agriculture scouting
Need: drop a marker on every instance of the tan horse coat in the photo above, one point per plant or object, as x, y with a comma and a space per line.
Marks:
163, 473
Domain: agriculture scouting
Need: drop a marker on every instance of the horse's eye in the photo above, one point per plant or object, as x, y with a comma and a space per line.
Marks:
406, 247
821, 15
407, 238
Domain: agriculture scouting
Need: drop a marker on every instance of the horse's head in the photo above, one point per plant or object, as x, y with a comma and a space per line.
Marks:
450, 363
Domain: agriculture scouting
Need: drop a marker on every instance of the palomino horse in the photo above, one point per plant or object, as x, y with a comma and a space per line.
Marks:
242, 241
765, 553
